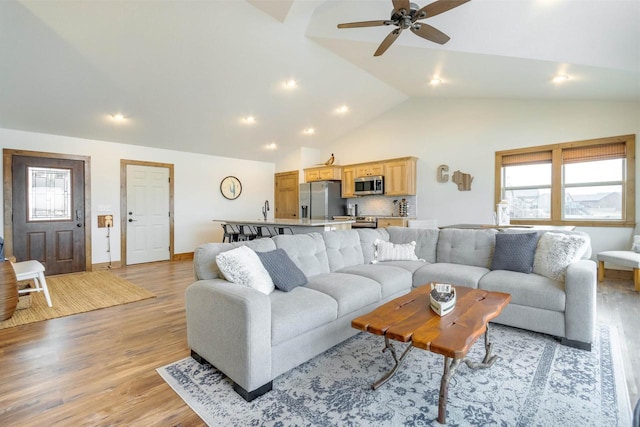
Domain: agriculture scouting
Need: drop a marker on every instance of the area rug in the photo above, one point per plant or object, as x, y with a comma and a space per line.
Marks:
78, 293
536, 382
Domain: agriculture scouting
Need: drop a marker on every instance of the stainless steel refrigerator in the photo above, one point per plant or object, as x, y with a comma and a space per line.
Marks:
321, 200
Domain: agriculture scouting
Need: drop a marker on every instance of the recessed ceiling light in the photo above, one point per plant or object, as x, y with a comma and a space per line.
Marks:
118, 117
435, 81
290, 84
560, 78
249, 120
271, 146
309, 131
342, 109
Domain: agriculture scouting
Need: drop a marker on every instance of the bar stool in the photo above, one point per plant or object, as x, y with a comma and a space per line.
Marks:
27, 270
245, 232
230, 234
262, 231
283, 230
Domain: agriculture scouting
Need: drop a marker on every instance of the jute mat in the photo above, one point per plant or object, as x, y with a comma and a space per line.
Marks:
78, 293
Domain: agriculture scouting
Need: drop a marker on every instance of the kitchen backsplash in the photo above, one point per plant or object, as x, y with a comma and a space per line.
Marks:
383, 205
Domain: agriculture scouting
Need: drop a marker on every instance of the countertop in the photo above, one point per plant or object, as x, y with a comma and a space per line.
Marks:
289, 222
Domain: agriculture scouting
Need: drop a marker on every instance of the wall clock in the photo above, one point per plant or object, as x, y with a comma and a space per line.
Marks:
230, 187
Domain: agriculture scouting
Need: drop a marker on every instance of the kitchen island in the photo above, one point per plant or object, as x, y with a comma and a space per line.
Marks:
297, 226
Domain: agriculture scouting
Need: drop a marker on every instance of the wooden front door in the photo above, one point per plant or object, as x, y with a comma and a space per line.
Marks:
286, 195
48, 212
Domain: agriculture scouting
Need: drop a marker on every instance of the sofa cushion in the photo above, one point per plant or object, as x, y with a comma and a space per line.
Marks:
343, 248
301, 310
467, 247
350, 291
515, 252
243, 267
530, 290
392, 279
285, 273
426, 240
307, 251
387, 251
204, 257
410, 266
367, 237
556, 251
455, 274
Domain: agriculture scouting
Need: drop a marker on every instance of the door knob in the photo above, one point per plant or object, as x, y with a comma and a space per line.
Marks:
132, 220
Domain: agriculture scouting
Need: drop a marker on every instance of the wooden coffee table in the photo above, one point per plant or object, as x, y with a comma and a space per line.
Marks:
410, 319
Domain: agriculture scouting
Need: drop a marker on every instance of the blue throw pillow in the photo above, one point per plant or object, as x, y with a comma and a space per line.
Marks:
514, 252
283, 271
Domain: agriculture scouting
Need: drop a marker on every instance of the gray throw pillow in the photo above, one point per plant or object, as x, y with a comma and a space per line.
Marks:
283, 271
514, 252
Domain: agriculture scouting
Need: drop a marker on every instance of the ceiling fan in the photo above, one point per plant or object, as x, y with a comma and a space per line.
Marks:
405, 15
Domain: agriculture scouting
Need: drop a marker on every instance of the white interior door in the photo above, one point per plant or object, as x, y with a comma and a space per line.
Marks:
147, 214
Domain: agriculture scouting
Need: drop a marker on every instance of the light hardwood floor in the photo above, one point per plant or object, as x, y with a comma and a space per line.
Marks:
98, 368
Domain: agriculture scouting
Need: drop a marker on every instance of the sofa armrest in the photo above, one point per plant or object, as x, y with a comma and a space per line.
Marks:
230, 327
580, 308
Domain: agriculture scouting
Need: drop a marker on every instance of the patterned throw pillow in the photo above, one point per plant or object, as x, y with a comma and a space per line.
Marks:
243, 267
556, 251
387, 251
515, 252
283, 271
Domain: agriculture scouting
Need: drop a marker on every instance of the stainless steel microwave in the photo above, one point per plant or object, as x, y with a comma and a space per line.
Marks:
367, 185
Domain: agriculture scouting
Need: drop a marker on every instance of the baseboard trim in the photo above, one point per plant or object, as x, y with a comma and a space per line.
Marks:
182, 257
106, 266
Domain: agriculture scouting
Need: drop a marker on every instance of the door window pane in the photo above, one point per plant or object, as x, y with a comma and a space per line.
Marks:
49, 194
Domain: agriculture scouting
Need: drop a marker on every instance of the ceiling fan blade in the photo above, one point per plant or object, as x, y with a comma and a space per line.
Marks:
388, 41
430, 33
438, 7
401, 4
365, 24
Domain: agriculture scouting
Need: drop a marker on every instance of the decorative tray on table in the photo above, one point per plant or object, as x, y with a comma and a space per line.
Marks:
442, 298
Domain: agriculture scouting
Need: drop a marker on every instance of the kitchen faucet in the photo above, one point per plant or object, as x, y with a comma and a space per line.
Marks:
265, 209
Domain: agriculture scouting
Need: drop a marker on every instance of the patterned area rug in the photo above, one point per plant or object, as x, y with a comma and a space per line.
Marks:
536, 382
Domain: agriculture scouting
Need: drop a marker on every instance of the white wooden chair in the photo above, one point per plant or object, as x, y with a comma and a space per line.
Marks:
32, 270
629, 259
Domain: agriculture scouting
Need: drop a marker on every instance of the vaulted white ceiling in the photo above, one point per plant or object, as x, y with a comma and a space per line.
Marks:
185, 73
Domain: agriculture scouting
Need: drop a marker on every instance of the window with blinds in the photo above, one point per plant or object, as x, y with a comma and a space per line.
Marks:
579, 183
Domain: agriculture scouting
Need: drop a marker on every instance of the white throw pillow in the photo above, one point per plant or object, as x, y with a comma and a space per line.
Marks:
636, 244
243, 267
556, 251
387, 251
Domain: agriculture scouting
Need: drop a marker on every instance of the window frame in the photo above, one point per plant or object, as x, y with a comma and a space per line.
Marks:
557, 183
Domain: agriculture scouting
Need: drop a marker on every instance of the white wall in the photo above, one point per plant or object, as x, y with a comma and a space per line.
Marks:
466, 133
196, 186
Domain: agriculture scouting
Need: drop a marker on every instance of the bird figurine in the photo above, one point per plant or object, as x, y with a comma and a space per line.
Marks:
330, 161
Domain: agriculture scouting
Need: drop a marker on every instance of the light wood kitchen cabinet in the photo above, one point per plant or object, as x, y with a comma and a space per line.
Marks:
400, 177
392, 222
323, 173
369, 169
348, 174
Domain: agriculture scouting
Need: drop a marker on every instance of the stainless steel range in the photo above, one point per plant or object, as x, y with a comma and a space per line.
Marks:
365, 222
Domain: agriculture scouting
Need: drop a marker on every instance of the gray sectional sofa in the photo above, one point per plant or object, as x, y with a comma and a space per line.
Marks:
253, 337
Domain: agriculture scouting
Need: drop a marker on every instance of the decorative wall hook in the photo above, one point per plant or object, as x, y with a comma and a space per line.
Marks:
462, 180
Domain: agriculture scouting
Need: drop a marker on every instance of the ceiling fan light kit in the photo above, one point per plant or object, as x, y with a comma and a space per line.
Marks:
405, 16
